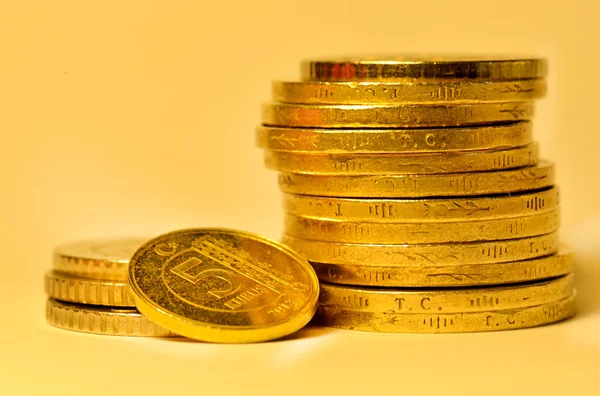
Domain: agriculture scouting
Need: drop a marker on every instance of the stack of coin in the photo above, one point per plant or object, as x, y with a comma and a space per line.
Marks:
414, 188
88, 291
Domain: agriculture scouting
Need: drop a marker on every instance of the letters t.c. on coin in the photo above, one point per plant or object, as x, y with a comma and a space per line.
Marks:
221, 285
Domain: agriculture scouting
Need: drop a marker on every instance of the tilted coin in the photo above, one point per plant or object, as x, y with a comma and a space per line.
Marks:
349, 231
449, 275
382, 164
422, 210
389, 116
75, 289
448, 323
414, 92
447, 254
105, 259
102, 320
449, 300
413, 140
416, 186
222, 285
415, 67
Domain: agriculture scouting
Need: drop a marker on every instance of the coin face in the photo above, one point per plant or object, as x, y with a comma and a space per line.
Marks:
104, 259
221, 285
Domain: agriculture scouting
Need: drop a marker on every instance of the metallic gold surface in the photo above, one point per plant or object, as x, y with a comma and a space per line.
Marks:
458, 275
222, 285
421, 163
415, 67
448, 323
428, 140
449, 300
416, 186
74, 289
422, 210
449, 254
388, 116
418, 92
104, 259
349, 231
101, 320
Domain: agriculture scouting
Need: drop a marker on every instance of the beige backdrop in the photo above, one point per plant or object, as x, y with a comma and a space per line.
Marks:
137, 117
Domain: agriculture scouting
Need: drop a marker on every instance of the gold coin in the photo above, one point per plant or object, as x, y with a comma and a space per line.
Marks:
382, 164
104, 259
395, 141
416, 186
418, 92
388, 116
222, 285
422, 210
449, 300
448, 323
458, 275
71, 288
349, 231
414, 67
448, 254
101, 320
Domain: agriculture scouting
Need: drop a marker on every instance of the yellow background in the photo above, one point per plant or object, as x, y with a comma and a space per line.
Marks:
137, 117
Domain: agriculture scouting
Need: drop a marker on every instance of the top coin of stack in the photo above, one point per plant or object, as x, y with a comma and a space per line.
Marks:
415, 172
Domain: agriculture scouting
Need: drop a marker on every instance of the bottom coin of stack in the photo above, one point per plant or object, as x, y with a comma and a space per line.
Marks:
447, 310
87, 290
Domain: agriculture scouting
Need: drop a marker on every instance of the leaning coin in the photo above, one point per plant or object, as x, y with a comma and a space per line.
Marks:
80, 290
421, 186
104, 259
464, 322
394, 141
422, 210
102, 320
385, 164
388, 116
448, 300
422, 68
441, 255
421, 92
454, 275
222, 285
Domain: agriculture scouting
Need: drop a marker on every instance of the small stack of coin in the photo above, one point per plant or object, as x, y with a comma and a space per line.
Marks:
414, 188
88, 290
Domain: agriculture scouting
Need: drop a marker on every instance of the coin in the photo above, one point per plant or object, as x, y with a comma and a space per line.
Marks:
382, 164
448, 323
415, 67
457, 275
388, 116
222, 285
449, 300
349, 231
71, 288
421, 92
101, 320
421, 186
104, 259
448, 254
422, 210
395, 141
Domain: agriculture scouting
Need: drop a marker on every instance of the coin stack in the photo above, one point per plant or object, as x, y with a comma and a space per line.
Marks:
88, 292
414, 188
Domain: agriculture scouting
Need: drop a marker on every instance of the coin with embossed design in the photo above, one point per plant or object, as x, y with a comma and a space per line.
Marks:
390, 116
221, 285
425, 68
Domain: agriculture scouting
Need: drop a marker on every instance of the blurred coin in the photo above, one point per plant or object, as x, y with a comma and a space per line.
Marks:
75, 289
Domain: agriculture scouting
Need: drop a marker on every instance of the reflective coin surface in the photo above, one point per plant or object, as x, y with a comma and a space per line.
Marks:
221, 285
